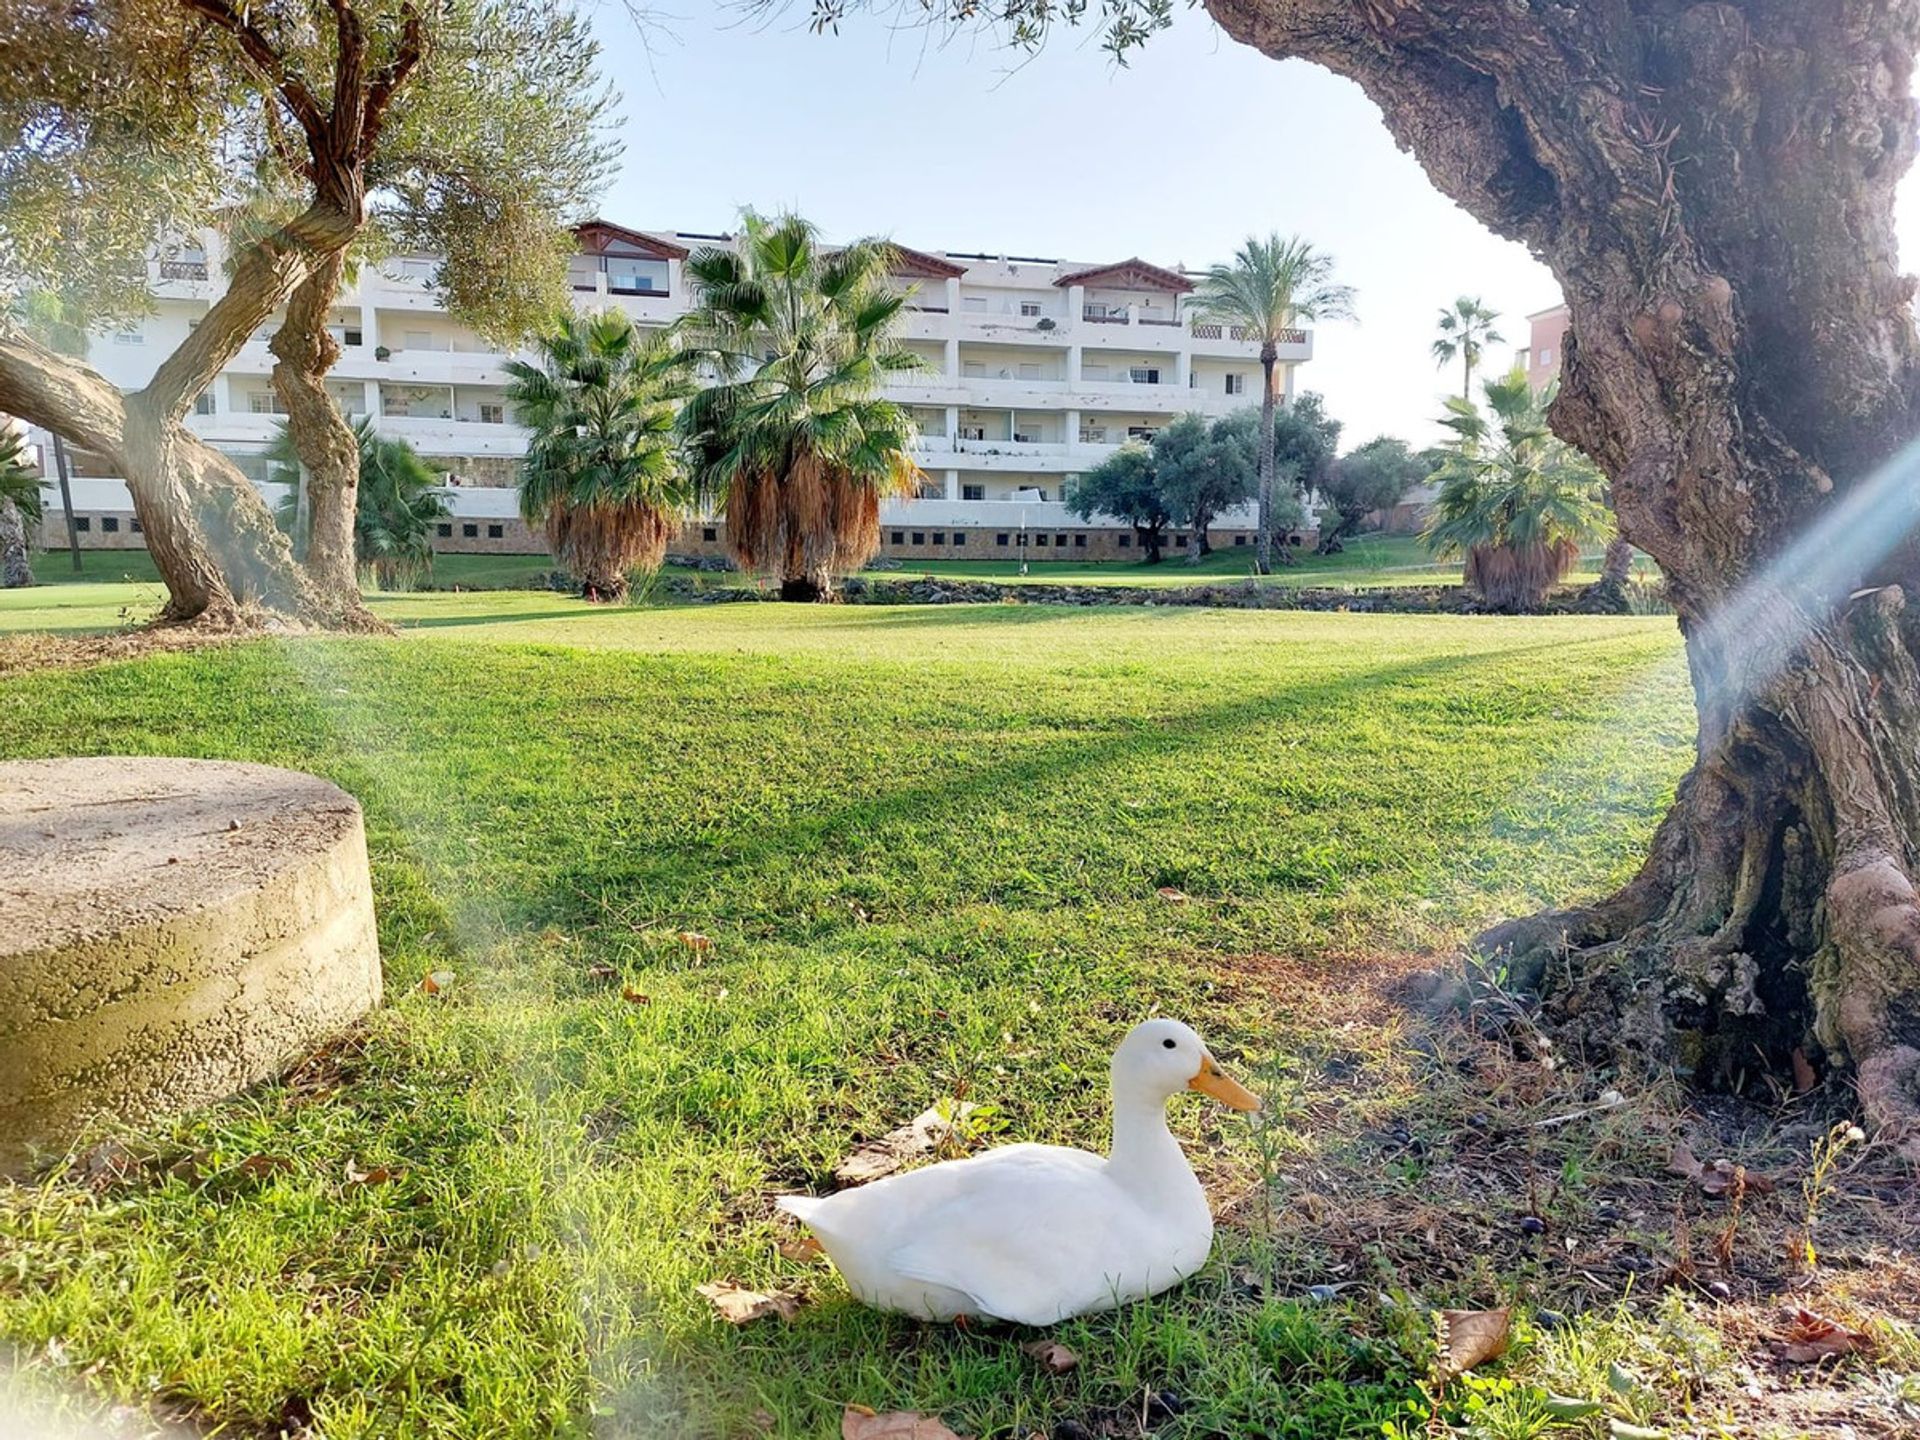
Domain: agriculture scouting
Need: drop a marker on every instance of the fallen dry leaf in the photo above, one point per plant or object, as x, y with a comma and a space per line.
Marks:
1471, 1337
601, 972
800, 1247
436, 982
1803, 1076
919, 1135
634, 997
1171, 895
1813, 1337
695, 941
738, 1305
860, 1423
378, 1175
1051, 1353
1718, 1177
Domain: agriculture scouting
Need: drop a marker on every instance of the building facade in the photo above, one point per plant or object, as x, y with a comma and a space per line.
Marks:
1546, 339
1033, 371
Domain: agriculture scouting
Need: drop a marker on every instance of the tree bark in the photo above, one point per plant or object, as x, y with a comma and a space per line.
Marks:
16, 559
61, 469
1608, 594
304, 353
1713, 185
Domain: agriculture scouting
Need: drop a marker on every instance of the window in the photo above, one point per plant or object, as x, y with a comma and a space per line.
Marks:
1546, 355
1093, 435
418, 340
351, 337
939, 537
1093, 372
1140, 432
1094, 310
1126, 542
1029, 371
1144, 374
1239, 539
1236, 383
1179, 542
1023, 537
973, 432
973, 492
899, 537
974, 304
445, 531
495, 532
137, 527
1027, 437
973, 370
203, 403
1040, 540
1080, 542
492, 414
264, 402
1001, 538
470, 532
83, 523
959, 537
1061, 541
1029, 308
110, 524
709, 532
919, 537
129, 336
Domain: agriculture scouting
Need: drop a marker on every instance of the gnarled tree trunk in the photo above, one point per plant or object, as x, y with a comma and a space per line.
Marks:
304, 353
1713, 185
16, 560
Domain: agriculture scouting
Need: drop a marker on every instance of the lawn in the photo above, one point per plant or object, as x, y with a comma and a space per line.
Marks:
927, 844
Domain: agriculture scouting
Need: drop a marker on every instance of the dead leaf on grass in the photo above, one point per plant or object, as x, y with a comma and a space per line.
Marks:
1057, 1358
860, 1423
695, 941
436, 982
738, 1305
378, 1175
1471, 1337
1812, 1337
800, 1247
1717, 1177
1172, 896
635, 997
601, 972
918, 1136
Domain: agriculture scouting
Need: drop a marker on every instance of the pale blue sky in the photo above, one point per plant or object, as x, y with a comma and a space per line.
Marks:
964, 147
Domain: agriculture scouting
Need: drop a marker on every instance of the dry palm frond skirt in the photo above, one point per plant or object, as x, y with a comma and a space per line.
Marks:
1517, 577
601, 543
814, 522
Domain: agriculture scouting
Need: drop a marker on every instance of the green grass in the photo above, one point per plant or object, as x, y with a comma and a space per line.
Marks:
926, 843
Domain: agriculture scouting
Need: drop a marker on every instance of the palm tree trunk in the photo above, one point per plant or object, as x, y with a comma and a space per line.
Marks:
1263, 548
1466, 376
65, 472
16, 564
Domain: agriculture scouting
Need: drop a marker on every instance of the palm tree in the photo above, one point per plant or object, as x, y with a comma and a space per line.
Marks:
19, 506
794, 442
602, 474
397, 505
1514, 498
1271, 286
1466, 329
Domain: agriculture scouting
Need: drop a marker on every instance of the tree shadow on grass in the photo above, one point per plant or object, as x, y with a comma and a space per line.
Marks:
656, 880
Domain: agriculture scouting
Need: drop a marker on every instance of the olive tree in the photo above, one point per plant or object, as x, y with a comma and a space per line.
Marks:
128, 124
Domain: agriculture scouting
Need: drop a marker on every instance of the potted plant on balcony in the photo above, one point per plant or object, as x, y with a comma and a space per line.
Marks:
381, 352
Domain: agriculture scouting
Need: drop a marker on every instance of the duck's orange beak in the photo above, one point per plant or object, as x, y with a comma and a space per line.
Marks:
1214, 1081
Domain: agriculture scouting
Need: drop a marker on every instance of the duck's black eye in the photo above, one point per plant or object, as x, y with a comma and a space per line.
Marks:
1167, 1043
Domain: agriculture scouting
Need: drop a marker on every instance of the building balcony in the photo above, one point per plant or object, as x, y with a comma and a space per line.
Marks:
438, 435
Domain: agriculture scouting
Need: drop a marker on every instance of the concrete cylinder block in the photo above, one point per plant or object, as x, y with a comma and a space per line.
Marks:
171, 931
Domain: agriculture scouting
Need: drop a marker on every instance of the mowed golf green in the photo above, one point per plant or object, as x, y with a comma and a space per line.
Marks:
926, 845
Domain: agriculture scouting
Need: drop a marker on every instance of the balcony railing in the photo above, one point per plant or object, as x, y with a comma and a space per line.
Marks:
1206, 330
1103, 317
1159, 320
183, 269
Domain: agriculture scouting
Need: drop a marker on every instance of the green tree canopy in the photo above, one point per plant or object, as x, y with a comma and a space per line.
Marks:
1126, 486
1373, 476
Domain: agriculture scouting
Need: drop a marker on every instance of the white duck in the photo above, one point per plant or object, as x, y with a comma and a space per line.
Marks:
1038, 1233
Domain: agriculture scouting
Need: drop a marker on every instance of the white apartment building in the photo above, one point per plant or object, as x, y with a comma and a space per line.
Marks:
1035, 370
